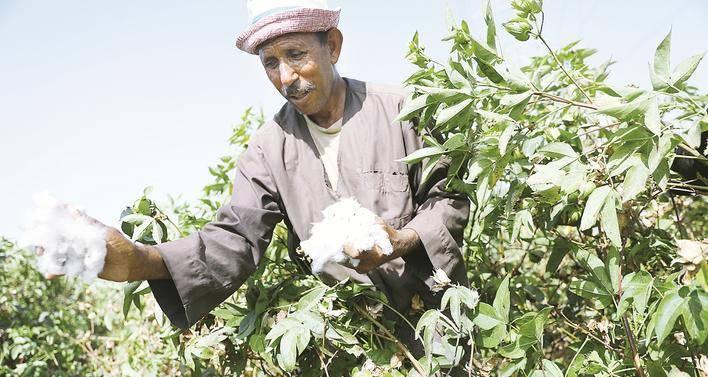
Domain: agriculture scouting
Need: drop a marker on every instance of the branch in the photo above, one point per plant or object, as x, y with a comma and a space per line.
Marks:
625, 324
566, 101
414, 361
560, 65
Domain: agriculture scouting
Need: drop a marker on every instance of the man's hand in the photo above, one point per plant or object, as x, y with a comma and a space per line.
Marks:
403, 241
125, 260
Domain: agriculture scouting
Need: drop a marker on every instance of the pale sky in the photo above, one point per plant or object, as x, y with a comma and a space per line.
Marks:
99, 99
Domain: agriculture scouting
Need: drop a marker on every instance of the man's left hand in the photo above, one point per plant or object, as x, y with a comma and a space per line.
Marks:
403, 241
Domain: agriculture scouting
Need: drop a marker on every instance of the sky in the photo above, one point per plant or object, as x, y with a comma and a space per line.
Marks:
100, 99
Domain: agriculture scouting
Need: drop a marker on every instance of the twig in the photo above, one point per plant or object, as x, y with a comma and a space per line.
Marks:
679, 224
632, 346
588, 333
404, 349
567, 101
560, 65
625, 322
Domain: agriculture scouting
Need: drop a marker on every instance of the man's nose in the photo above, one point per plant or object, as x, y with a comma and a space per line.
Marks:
287, 75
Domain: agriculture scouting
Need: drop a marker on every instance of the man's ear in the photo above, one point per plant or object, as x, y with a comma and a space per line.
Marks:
334, 44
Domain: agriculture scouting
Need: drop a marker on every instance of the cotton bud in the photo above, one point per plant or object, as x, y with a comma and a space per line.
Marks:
441, 280
526, 7
692, 255
519, 28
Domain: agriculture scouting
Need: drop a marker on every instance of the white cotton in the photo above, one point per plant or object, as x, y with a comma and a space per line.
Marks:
72, 245
344, 222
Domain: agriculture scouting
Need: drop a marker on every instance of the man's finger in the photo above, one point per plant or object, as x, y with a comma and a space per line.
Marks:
51, 276
351, 252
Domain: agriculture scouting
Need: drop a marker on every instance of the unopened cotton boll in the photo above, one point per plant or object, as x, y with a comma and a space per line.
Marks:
73, 246
344, 222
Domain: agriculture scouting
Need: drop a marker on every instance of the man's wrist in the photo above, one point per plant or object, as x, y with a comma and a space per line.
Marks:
150, 265
406, 242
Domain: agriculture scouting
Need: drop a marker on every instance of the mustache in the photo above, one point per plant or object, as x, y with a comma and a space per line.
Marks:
297, 88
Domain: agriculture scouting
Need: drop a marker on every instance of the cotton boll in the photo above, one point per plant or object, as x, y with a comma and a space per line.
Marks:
344, 222
72, 245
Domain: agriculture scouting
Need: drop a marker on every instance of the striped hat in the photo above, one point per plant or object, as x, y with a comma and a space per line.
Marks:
273, 18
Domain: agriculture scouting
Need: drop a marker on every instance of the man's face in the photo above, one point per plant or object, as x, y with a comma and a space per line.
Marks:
301, 69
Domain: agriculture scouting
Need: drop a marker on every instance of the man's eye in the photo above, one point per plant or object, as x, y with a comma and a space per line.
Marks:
296, 55
271, 64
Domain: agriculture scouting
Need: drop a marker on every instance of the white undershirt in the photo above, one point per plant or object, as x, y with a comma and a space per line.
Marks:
327, 142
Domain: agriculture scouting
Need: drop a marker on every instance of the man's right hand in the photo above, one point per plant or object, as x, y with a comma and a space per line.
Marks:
125, 260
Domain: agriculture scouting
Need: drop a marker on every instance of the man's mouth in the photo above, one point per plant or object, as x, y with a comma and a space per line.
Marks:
299, 96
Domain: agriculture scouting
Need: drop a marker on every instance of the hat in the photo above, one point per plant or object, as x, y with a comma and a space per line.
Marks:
273, 18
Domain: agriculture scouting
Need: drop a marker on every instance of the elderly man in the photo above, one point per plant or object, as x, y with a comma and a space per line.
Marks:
335, 137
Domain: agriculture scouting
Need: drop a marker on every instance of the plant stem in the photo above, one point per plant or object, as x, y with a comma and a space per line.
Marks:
588, 333
632, 346
404, 349
625, 322
566, 101
560, 65
679, 224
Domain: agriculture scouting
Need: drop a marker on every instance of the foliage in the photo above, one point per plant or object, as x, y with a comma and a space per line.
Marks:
584, 249
574, 204
67, 328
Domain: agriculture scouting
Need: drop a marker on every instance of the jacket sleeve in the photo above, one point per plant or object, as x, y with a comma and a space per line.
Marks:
440, 216
208, 266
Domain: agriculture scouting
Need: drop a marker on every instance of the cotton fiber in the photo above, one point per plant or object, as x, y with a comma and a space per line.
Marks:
344, 222
72, 245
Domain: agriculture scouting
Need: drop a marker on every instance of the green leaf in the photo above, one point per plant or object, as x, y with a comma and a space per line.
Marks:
487, 317
421, 154
561, 246
505, 137
634, 181
558, 149
550, 369
662, 56
591, 291
593, 206
412, 106
312, 298
489, 71
502, 300
135, 218
666, 314
608, 219
484, 52
489, 21
596, 268
692, 136
652, 118
449, 113
452, 297
636, 288
288, 350
685, 69
142, 229
695, 315
627, 111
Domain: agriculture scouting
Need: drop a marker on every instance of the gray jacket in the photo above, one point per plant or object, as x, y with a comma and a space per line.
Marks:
280, 177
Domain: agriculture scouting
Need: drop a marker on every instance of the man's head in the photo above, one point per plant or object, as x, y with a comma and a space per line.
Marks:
298, 43
301, 66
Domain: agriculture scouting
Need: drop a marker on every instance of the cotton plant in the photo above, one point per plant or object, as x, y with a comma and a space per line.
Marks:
72, 244
345, 222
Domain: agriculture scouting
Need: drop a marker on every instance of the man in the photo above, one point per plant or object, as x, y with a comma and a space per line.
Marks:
335, 137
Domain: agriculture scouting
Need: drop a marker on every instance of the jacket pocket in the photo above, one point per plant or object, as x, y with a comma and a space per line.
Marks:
385, 181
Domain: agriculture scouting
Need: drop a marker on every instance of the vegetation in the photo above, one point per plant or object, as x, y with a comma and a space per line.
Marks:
586, 253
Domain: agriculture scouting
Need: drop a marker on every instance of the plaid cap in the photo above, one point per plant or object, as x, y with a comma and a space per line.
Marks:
273, 18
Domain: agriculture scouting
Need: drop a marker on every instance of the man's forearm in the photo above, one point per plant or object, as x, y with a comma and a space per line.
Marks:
151, 266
